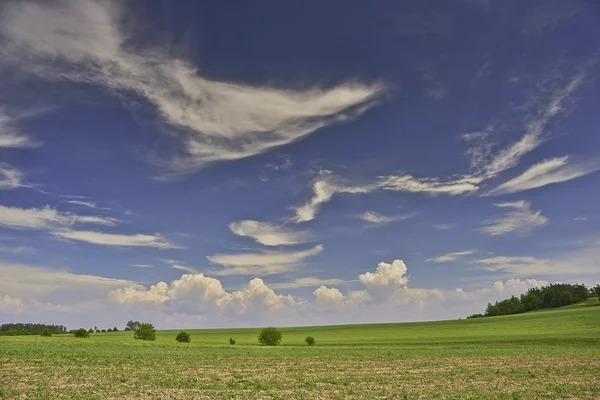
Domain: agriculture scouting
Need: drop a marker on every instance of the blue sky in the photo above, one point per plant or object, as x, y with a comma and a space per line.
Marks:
209, 164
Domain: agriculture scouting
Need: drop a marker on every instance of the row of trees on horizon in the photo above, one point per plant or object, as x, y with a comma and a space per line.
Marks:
551, 296
24, 329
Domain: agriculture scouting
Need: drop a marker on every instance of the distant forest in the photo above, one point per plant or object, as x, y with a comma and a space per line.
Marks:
551, 296
30, 329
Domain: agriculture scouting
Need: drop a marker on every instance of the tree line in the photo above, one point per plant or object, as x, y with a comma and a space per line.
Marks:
551, 296
19, 329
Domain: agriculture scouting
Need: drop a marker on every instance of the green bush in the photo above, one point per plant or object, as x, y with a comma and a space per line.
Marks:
81, 333
310, 340
145, 331
270, 336
183, 337
103, 330
115, 329
231, 341
46, 333
90, 330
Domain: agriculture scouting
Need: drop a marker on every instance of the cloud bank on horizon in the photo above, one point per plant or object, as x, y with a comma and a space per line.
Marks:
233, 173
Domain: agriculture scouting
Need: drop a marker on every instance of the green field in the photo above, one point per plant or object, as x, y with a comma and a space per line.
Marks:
553, 354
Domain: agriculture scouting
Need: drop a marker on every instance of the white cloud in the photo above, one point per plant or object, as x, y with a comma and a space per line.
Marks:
379, 219
545, 173
34, 218
10, 178
580, 219
82, 300
218, 120
306, 282
324, 187
110, 239
267, 263
10, 136
451, 256
46, 218
520, 219
268, 234
534, 131
54, 285
87, 204
408, 183
382, 284
178, 265
108, 221
327, 185
141, 265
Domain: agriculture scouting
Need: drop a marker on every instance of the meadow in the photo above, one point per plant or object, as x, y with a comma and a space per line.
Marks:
550, 354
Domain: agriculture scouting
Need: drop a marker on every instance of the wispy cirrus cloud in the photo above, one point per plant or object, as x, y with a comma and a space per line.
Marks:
46, 218
268, 234
379, 219
326, 185
451, 256
266, 263
10, 177
547, 172
10, 136
521, 218
119, 240
216, 120
306, 282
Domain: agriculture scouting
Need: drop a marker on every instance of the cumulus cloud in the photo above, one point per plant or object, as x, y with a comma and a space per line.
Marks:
202, 294
200, 299
547, 172
268, 234
451, 256
216, 120
266, 263
120, 240
520, 219
10, 177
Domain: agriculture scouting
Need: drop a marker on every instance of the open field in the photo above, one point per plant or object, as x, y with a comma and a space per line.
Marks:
552, 354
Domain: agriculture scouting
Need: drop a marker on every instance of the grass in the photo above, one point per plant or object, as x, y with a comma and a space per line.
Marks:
552, 354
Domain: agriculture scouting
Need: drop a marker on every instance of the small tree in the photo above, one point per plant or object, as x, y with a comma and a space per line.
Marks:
145, 331
81, 333
132, 325
103, 330
596, 291
97, 330
115, 329
183, 337
310, 340
231, 341
46, 333
270, 336
90, 330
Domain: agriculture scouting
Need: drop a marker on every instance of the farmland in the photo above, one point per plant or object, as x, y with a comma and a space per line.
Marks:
551, 354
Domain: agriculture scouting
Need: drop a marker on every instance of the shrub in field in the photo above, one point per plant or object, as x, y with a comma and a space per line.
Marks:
81, 333
90, 330
46, 333
310, 340
270, 336
103, 330
115, 329
183, 337
231, 341
145, 331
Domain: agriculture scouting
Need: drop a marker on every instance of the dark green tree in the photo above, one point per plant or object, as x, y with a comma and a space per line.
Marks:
270, 336
144, 331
